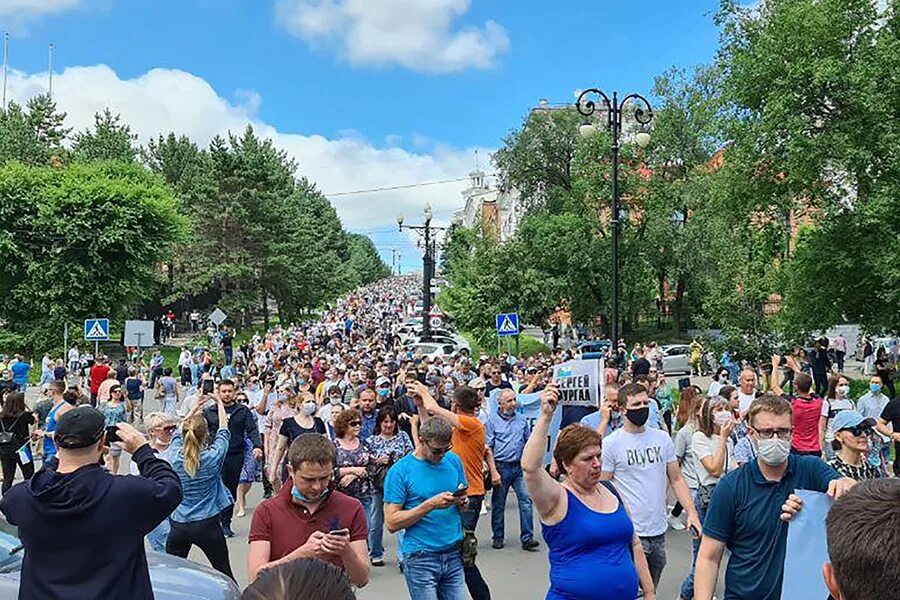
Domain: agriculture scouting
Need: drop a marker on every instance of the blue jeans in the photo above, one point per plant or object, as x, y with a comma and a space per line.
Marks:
375, 518
157, 537
687, 586
435, 575
511, 476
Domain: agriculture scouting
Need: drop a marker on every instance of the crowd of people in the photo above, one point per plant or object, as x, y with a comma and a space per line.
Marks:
349, 434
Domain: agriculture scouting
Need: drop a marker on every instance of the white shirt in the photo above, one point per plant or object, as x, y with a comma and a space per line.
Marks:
184, 360
638, 462
745, 400
714, 388
704, 446
73, 355
829, 409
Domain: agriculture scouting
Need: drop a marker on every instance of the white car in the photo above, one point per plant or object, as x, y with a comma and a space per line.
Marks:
432, 350
676, 359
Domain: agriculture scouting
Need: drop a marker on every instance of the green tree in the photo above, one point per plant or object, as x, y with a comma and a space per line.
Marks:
77, 242
111, 139
365, 265
32, 135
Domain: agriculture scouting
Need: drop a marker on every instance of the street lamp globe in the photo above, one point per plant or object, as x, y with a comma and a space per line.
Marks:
587, 130
400, 220
428, 212
642, 139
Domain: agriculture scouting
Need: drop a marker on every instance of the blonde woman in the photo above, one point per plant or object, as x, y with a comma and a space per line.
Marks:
160, 428
196, 520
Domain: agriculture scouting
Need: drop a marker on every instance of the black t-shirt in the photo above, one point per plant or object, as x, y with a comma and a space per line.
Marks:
891, 414
640, 367
291, 429
490, 387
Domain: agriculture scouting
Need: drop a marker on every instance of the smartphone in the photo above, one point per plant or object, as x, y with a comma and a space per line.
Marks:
695, 533
112, 435
340, 532
208, 386
461, 492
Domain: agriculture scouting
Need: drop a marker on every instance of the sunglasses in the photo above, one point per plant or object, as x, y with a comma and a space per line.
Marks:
355, 423
858, 430
443, 450
169, 428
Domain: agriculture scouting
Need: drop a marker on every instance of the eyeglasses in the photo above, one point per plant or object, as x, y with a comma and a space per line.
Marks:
858, 430
768, 434
443, 450
169, 428
355, 423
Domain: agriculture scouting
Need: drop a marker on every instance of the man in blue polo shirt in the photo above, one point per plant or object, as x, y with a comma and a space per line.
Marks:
749, 507
419, 497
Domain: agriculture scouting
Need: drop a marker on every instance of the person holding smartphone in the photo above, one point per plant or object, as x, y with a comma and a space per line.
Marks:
199, 468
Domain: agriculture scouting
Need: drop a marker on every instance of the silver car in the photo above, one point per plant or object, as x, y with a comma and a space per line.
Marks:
676, 358
172, 578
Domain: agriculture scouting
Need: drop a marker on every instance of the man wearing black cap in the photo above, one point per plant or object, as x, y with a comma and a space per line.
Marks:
81, 527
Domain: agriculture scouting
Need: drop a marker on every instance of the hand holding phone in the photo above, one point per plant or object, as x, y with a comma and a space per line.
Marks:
461, 492
340, 532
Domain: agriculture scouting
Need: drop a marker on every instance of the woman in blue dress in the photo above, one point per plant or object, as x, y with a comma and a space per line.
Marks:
594, 552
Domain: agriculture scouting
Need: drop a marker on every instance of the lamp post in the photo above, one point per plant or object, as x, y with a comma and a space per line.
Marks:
427, 266
643, 114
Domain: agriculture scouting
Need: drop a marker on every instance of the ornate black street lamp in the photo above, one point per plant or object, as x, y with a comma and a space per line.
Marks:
428, 266
643, 114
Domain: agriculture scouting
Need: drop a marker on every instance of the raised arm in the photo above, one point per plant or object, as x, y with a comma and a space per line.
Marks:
430, 404
545, 492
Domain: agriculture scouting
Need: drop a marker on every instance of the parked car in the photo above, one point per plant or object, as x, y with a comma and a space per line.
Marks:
594, 349
676, 359
433, 350
172, 578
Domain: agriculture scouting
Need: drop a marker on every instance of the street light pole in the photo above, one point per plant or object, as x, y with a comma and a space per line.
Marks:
427, 267
643, 114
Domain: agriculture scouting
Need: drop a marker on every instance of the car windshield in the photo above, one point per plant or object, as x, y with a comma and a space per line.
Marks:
10, 547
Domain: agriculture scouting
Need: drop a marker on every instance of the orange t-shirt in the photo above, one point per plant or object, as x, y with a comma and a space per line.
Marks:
468, 445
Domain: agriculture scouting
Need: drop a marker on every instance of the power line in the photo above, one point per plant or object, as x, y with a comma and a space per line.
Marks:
400, 187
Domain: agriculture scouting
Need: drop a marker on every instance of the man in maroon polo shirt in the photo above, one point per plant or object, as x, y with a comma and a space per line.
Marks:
310, 519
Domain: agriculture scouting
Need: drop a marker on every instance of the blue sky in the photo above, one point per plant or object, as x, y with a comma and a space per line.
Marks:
365, 93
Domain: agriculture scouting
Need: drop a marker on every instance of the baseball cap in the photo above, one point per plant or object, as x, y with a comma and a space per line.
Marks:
382, 381
80, 427
847, 419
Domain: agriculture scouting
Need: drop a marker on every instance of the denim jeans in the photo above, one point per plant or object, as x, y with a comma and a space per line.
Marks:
687, 586
375, 518
511, 476
367, 502
435, 575
655, 551
478, 588
157, 537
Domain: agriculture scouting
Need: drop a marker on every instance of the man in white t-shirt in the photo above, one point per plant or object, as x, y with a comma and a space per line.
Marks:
640, 461
747, 392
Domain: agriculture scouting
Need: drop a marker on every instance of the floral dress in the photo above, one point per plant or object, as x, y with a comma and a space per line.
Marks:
361, 487
250, 466
277, 414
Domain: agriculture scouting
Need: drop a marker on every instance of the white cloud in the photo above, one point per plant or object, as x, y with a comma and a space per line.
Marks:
164, 100
415, 34
24, 8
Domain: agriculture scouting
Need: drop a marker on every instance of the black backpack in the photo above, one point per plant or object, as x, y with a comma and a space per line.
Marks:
8, 438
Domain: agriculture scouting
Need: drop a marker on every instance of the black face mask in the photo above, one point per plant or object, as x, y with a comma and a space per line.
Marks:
638, 416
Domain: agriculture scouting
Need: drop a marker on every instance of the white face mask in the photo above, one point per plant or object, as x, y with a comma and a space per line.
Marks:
722, 418
774, 452
308, 408
843, 390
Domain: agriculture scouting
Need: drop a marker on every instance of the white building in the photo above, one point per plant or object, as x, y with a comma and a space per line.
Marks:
492, 208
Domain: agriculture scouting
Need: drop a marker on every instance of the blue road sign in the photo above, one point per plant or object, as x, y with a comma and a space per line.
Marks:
96, 330
508, 324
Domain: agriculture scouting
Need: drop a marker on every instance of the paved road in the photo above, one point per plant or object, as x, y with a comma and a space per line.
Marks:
510, 573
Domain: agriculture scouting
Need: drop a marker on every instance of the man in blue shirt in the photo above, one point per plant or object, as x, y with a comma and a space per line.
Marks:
423, 494
20, 370
506, 433
749, 505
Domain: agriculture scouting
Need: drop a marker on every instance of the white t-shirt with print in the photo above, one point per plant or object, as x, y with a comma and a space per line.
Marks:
638, 462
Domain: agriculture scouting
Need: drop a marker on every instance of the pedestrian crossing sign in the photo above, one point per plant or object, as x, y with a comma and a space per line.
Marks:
507, 324
96, 330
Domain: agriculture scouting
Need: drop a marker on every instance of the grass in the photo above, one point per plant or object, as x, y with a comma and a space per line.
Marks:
528, 346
